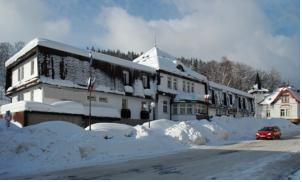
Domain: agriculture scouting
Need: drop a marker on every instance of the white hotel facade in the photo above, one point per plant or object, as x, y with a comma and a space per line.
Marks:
47, 80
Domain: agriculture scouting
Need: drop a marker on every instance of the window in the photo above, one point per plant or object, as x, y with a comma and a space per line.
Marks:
175, 84
165, 106
20, 97
282, 114
188, 86
31, 95
231, 99
92, 98
22, 72
169, 84
103, 99
126, 77
145, 81
182, 108
213, 97
268, 113
32, 67
19, 74
200, 108
244, 104
285, 99
189, 109
124, 103
183, 86
174, 109
287, 112
239, 102
192, 87
224, 99
145, 106
180, 68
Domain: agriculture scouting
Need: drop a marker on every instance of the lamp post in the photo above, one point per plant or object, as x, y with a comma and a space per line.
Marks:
152, 104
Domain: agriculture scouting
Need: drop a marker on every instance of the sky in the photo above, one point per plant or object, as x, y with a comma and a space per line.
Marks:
264, 34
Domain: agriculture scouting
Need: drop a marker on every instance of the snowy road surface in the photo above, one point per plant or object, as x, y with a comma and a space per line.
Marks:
264, 159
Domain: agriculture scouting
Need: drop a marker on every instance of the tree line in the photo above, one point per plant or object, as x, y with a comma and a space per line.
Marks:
224, 71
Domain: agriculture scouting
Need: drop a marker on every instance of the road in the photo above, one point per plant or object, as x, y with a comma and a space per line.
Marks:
256, 159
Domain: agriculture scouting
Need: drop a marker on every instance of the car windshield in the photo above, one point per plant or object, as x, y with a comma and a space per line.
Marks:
266, 129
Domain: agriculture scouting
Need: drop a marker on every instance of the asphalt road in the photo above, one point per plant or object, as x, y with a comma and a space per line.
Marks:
256, 159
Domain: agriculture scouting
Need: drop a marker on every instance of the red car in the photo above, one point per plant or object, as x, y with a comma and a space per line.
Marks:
269, 132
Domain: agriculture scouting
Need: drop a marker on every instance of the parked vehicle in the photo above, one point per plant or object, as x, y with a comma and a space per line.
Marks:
269, 132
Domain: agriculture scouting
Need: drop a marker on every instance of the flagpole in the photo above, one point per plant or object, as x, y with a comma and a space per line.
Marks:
89, 89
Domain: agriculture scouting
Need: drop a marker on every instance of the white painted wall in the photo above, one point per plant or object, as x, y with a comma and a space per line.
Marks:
27, 71
37, 94
293, 106
160, 114
53, 94
198, 87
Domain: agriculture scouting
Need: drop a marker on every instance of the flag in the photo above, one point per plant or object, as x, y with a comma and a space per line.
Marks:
91, 59
91, 84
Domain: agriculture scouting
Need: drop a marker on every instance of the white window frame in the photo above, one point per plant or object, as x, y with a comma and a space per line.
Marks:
175, 83
184, 86
165, 106
189, 109
188, 87
169, 82
182, 108
192, 87
32, 67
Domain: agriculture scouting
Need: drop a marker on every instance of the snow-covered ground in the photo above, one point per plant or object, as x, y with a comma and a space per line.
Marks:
57, 145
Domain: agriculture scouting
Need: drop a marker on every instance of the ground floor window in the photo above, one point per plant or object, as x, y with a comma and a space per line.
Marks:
182, 108
282, 112
268, 113
20, 97
189, 109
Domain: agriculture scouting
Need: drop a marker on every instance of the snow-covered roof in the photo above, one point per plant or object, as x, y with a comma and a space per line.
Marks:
230, 89
74, 50
272, 97
161, 60
66, 107
255, 89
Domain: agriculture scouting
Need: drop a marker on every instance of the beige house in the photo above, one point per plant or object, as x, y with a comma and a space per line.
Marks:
283, 103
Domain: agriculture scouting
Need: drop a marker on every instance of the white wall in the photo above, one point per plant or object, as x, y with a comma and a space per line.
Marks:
160, 114
198, 87
54, 94
27, 71
37, 97
293, 106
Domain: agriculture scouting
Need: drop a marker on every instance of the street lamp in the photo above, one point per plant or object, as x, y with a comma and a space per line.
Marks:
152, 104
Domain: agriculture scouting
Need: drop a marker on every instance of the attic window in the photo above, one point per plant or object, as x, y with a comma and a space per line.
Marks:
180, 68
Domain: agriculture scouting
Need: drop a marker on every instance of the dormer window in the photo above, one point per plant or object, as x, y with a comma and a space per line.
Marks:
126, 77
180, 67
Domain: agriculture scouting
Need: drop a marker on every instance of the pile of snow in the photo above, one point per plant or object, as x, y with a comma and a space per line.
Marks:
185, 133
128, 89
111, 130
57, 145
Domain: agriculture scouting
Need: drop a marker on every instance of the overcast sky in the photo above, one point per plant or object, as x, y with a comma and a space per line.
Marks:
261, 33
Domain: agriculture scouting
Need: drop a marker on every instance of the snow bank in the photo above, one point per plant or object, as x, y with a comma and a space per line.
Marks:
57, 145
